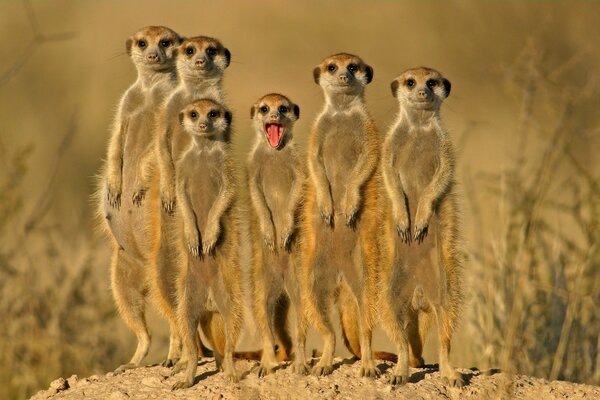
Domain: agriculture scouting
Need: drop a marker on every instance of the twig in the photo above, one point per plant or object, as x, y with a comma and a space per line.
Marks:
39, 39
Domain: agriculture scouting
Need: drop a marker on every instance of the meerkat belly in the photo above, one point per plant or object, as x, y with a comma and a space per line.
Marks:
419, 264
341, 150
129, 224
203, 188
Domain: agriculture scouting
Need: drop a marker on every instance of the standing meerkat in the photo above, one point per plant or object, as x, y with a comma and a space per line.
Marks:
340, 217
209, 278
421, 273
152, 50
276, 178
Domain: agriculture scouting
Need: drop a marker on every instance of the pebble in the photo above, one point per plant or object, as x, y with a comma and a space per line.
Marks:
59, 384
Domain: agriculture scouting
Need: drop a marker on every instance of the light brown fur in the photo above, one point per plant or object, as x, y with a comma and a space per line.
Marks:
276, 179
209, 280
421, 272
341, 210
129, 223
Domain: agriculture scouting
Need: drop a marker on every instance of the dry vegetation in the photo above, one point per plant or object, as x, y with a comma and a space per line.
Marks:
523, 109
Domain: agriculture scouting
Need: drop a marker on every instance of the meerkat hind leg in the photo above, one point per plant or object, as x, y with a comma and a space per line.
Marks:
449, 374
280, 328
129, 293
322, 322
265, 308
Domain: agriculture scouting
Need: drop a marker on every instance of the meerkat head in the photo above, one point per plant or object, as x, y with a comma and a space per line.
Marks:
207, 118
273, 116
202, 57
153, 47
343, 73
421, 88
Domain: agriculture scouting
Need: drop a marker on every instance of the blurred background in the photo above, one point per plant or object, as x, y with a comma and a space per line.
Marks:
523, 114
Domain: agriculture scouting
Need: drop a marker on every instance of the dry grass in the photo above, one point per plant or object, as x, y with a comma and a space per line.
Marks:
529, 174
536, 288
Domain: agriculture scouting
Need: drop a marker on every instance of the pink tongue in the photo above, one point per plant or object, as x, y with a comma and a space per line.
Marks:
273, 134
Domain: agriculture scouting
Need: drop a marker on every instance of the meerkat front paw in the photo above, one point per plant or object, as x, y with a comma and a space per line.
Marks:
403, 228
350, 205
268, 234
326, 210
167, 199
369, 370
210, 237
286, 239
113, 194
300, 368
193, 244
422, 220
138, 196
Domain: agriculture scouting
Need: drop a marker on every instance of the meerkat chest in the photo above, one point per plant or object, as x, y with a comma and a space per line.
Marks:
201, 173
417, 159
276, 178
343, 142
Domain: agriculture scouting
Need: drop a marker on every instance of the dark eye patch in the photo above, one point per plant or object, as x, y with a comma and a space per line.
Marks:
264, 109
283, 109
331, 67
190, 50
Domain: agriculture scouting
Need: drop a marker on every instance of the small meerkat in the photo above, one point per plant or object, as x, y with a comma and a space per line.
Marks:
341, 209
421, 271
152, 50
276, 179
201, 62
209, 279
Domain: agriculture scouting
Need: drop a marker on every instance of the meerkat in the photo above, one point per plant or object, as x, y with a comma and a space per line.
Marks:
209, 279
276, 179
421, 271
340, 213
152, 50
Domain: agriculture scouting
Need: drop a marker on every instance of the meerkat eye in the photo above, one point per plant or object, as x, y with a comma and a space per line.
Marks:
189, 51
331, 67
283, 109
431, 83
141, 44
165, 43
213, 114
193, 115
211, 51
410, 82
352, 68
264, 109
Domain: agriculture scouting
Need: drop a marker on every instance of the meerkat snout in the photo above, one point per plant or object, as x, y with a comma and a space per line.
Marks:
203, 55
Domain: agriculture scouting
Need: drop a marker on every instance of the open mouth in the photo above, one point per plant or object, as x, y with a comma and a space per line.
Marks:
274, 134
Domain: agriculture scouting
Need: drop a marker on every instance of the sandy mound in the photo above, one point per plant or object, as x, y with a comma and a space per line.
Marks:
154, 382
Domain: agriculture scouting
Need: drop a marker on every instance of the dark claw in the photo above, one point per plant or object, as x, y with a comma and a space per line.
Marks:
326, 218
398, 379
351, 219
114, 200
285, 243
138, 197
420, 234
404, 234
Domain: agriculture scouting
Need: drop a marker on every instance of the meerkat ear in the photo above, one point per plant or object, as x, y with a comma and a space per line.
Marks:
228, 117
128, 44
296, 111
369, 73
317, 74
181, 117
394, 87
447, 86
253, 111
227, 57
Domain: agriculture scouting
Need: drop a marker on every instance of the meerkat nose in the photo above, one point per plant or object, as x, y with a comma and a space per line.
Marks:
200, 62
422, 94
274, 117
344, 78
152, 57
202, 126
